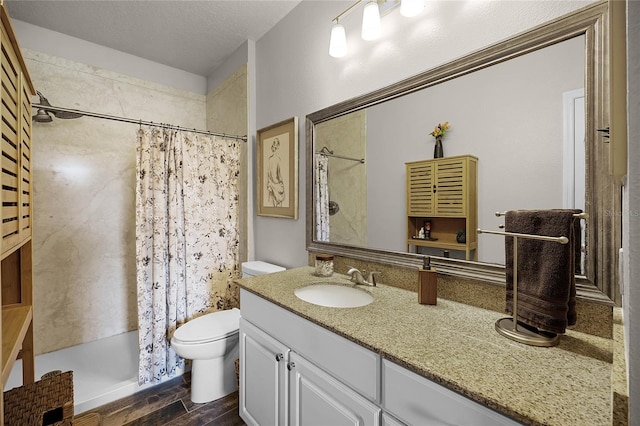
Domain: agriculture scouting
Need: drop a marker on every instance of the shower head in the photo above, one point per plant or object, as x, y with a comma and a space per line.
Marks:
42, 116
57, 114
43, 101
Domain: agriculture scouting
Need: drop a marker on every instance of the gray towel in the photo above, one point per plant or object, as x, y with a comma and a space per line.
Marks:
546, 269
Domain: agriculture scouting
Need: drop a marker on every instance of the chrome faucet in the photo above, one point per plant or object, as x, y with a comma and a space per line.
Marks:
357, 277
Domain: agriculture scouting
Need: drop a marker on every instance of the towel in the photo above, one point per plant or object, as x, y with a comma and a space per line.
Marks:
546, 269
577, 266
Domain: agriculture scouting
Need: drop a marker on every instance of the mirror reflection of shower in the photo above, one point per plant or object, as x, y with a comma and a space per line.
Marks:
340, 181
43, 115
334, 207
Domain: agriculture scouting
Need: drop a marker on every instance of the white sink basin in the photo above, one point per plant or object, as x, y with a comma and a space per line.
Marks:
334, 295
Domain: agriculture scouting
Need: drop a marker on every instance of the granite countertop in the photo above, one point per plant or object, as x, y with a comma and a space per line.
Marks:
456, 345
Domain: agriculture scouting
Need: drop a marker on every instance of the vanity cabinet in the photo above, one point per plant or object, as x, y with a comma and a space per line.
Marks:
294, 372
263, 377
15, 240
315, 397
416, 400
443, 193
280, 386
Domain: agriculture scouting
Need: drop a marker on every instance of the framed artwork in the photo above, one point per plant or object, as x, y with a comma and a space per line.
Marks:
277, 171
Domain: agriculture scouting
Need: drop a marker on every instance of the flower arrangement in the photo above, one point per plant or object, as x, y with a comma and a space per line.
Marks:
440, 130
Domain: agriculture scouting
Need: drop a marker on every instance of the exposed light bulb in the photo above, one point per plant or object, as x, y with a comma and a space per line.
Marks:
371, 21
411, 7
338, 41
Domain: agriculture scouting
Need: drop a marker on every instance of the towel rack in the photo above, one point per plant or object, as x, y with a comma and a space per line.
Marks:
508, 326
576, 215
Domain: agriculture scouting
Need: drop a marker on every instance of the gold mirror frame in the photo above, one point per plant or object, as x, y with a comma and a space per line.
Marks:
603, 203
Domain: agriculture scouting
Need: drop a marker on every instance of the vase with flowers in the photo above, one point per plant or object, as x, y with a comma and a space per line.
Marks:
438, 133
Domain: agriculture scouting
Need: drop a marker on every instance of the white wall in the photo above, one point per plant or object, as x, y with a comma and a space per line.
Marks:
296, 75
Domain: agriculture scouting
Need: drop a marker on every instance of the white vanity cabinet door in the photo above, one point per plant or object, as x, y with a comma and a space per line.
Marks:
357, 367
263, 377
316, 398
388, 420
417, 400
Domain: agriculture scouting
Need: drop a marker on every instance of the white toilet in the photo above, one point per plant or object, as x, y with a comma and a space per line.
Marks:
257, 267
211, 342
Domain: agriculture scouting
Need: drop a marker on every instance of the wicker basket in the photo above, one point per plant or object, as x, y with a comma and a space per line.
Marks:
46, 402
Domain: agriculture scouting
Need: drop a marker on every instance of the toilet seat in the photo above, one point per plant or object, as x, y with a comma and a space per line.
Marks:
208, 328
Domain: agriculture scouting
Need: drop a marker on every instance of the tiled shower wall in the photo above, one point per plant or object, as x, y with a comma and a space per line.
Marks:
84, 199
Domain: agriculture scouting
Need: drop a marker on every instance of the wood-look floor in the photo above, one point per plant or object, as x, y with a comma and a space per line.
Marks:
168, 404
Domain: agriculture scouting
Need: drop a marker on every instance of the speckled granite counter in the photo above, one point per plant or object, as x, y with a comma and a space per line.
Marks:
457, 346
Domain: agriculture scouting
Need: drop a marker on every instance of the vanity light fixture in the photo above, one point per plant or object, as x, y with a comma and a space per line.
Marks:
371, 25
338, 42
371, 28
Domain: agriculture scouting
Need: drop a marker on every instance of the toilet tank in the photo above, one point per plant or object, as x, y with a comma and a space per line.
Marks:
258, 267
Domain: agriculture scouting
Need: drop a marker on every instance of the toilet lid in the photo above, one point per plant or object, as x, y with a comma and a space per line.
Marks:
209, 327
258, 267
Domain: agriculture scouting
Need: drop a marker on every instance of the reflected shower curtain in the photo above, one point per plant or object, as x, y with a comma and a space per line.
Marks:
187, 241
322, 197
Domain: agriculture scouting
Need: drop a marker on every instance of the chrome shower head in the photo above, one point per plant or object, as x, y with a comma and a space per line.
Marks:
65, 115
58, 114
42, 116
43, 100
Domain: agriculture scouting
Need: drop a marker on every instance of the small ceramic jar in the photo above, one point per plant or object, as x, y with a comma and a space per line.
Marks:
324, 265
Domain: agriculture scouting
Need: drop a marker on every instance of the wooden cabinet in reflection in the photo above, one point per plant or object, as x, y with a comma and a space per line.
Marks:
442, 204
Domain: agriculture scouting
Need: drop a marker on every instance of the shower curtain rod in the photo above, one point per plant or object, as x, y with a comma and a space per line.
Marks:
140, 122
327, 152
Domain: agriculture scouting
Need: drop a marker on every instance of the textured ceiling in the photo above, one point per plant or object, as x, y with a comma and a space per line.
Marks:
194, 36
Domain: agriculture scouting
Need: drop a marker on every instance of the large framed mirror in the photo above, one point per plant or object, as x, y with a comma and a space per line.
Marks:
529, 108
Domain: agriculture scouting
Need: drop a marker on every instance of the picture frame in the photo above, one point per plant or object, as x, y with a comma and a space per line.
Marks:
277, 169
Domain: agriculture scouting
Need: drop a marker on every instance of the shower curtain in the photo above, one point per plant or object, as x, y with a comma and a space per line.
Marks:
322, 197
187, 219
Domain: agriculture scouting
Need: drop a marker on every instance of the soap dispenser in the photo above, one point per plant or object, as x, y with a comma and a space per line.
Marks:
427, 283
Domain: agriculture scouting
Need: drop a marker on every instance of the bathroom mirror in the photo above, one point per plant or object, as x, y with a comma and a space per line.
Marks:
555, 73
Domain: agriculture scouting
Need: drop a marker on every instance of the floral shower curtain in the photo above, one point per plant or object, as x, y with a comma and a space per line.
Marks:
322, 197
187, 219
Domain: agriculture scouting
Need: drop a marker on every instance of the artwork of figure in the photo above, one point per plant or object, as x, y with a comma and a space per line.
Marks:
275, 181
277, 170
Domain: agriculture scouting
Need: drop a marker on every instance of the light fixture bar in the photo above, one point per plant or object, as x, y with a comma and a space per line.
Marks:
371, 23
347, 10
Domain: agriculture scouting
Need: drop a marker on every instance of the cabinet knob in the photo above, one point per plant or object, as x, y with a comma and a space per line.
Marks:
279, 357
434, 189
291, 365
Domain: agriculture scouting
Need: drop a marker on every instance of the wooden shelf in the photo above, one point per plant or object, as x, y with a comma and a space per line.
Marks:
16, 274
443, 192
441, 244
16, 320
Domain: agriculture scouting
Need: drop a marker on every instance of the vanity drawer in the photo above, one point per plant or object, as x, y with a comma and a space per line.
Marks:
352, 364
417, 400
